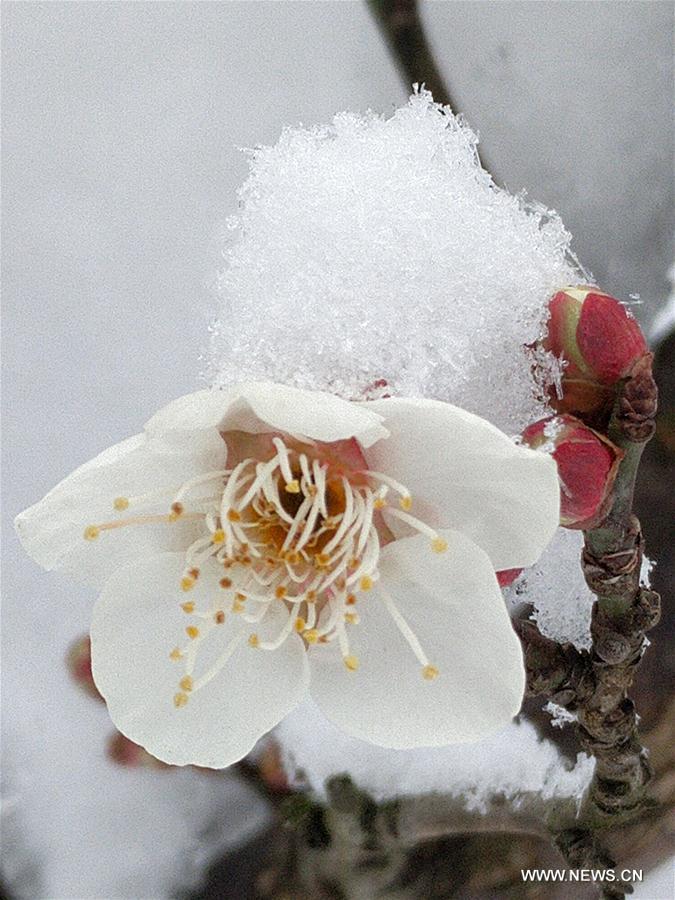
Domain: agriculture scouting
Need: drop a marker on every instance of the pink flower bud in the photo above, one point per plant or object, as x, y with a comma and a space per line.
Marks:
598, 339
126, 753
78, 662
587, 466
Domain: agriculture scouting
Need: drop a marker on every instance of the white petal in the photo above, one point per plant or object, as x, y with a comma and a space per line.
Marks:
191, 412
258, 407
454, 606
52, 530
137, 621
465, 474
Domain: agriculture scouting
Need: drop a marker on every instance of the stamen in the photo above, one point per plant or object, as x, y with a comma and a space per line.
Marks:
429, 673
192, 632
91, 532
219, 617
405, 630
186, 684
180, 699
351, 662
121, 503
438, 544
218, 665
175, 654
401, 489
282, 456
188, 607
293, 487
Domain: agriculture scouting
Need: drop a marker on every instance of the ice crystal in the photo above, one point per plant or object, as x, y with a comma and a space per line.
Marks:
378, 248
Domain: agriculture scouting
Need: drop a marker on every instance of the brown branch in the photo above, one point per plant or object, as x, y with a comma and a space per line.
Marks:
401, 25
596, 686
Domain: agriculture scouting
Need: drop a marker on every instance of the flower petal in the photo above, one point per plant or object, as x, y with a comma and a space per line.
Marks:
464, 473
52, 530
258, 407
453, 604
136, 623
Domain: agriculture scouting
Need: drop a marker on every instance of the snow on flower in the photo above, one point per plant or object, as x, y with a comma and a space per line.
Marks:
262, 542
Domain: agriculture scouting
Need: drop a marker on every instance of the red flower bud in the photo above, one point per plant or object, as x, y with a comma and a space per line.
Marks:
507, 577
78, 662
587, 466
599, 340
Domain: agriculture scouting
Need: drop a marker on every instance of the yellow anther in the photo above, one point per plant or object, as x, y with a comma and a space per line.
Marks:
121, 503
233, 515
366, 583
180, 700
188, 607
380, 503
292, 557
293, 487
405, 502
218, 536
322, 559
351, 662
300, 625
219, 617
280, 592
187, 583
439, 545
237, 606
429, 673
311, 635
226, 582
352, 618
192, 632
91, 532
310, 596
353, 563
175, 654
253, 640
177, 510
186, 684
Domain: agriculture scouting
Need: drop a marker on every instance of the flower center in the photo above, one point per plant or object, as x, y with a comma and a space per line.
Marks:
299, 527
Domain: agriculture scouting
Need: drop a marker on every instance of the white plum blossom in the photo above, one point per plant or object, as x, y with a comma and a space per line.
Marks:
261, 543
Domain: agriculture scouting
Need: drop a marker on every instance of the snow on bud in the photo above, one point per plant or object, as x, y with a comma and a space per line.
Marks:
599, 341
587, 465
